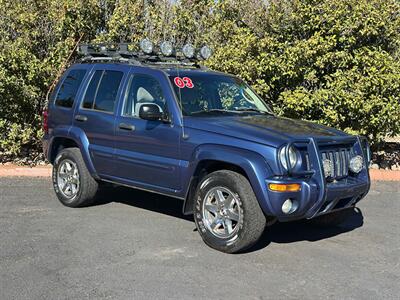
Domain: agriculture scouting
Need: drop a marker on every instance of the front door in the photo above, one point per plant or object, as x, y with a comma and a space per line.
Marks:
147, 152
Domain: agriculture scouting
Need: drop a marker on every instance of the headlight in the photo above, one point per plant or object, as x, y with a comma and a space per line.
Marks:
166, 48
356, 164
293, 157
147, 46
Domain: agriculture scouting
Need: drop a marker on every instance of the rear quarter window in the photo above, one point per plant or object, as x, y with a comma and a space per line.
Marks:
69, 88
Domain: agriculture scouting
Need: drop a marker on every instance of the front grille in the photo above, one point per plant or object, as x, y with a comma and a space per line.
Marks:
340, 161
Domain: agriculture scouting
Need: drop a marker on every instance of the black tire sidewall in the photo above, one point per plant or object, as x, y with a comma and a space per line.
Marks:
70, 155
238, 241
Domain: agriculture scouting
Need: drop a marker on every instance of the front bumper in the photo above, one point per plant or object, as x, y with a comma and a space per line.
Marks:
317, 196
337, 195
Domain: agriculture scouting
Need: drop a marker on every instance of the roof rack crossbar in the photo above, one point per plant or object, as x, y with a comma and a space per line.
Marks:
121, 53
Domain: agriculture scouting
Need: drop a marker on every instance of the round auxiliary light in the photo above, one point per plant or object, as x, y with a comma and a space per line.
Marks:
166, 48
356, 164
103, 48
205, 52
327, 165
147, 46
293, 157
188, 50
287, 206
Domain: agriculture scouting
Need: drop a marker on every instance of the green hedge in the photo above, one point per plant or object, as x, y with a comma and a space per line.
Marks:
335, 62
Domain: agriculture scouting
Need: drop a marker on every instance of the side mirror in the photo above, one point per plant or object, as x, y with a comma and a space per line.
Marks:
150, 112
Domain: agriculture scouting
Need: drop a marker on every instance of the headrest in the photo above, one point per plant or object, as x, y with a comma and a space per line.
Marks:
143, 95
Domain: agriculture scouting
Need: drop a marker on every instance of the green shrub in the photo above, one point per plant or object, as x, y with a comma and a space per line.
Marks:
16, 139
336, 62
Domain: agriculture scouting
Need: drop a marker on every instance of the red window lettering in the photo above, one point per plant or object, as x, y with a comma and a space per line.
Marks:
188, 82
182, 82
179, 82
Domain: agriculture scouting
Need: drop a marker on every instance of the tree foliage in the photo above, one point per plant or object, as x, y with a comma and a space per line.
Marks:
335, 62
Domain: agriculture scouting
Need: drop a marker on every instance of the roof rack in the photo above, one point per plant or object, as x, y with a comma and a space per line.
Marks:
92, 53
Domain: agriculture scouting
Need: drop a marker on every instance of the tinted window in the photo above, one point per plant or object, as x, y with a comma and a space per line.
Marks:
53, 93
69, 88
102, 90
142, 89
92, 90
108, 90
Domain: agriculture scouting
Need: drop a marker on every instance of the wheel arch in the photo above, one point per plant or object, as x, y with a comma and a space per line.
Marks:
211, 158
58, 143
75, 137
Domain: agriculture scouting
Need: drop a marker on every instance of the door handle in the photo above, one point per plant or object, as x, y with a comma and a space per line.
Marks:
125, 126
81, 118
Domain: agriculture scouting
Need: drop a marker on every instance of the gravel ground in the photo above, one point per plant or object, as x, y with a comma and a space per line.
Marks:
136, 245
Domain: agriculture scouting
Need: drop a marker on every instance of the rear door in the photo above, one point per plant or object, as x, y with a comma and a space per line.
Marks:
96, 114
147, 152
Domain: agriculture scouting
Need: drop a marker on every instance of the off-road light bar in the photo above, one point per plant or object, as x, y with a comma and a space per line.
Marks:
166, 48
165, 53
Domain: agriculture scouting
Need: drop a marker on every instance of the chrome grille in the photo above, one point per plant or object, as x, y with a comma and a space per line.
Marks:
340, 160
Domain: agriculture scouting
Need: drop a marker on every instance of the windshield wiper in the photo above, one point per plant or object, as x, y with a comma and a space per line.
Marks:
252, 110
214, 110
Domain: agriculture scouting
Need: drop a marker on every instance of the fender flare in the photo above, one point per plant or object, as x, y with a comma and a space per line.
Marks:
253, 164
79, 136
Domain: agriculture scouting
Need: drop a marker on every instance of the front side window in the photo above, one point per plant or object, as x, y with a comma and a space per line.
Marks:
142, 89
69, 88
209, 94
102, 91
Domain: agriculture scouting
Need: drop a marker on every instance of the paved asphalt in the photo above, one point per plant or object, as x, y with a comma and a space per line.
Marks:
137, 245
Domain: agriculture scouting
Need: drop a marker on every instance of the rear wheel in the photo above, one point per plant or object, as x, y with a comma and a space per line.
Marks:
227, 214
334, 218
72, 181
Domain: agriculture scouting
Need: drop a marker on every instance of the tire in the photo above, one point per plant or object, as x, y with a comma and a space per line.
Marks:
233, 224
70, 169
334, 218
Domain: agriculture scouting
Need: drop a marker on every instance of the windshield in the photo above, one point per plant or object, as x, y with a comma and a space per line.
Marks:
210, 94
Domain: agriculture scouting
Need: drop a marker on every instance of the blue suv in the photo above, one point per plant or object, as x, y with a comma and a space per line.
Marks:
172, 127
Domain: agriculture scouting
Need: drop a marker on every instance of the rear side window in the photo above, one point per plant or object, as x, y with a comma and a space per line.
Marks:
70, 86
103, 90
92, 90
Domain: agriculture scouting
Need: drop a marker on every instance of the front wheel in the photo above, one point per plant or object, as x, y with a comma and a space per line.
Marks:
226, 211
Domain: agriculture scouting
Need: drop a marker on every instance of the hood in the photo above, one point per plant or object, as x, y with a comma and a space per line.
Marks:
264, 129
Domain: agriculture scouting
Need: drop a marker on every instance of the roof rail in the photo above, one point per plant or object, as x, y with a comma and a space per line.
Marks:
120, 53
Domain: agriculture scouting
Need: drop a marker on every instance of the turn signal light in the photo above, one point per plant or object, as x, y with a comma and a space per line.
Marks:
281, 187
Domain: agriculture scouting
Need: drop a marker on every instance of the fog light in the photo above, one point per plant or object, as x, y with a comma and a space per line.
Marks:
356, 164
287, 206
